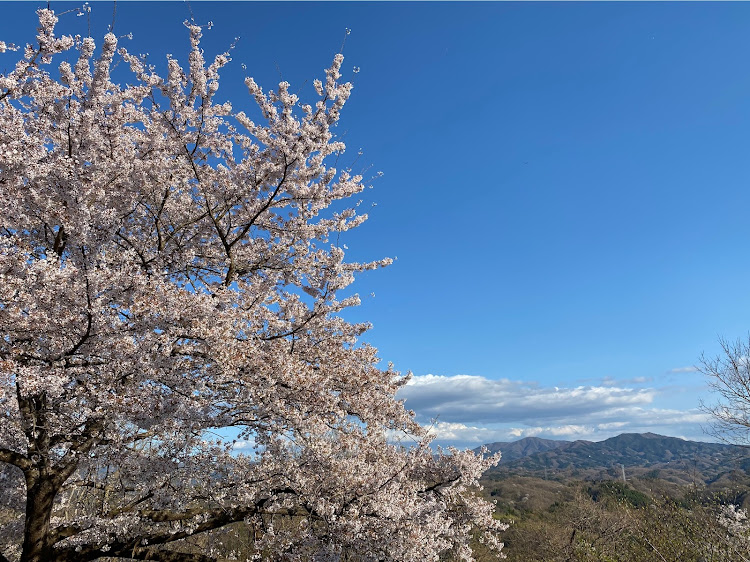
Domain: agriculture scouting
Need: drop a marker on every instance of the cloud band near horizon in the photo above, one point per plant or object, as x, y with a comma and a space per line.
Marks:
468, 410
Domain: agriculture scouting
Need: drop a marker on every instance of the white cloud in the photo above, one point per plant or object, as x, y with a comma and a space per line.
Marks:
611, 381
691, 369
471, 410
472, 435
464, 397
459, 432
564, 431
611, 425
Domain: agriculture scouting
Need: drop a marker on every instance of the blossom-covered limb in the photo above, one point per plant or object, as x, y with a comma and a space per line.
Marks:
170, 275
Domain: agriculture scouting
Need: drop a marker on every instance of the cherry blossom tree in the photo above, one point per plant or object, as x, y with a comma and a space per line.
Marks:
171, 281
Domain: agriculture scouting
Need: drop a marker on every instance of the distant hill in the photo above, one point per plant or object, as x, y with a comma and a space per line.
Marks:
644, 450
525, 447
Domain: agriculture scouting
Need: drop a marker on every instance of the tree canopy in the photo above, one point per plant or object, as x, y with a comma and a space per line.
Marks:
170, 273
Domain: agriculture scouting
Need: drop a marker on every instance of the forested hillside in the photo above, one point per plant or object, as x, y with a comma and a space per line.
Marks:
567, 501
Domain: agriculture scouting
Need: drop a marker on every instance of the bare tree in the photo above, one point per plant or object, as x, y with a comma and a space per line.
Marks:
729, 377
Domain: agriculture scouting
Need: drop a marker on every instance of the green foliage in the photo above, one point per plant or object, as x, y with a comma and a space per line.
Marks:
620, 492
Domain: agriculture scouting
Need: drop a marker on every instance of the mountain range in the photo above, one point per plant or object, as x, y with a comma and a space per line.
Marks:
628, 450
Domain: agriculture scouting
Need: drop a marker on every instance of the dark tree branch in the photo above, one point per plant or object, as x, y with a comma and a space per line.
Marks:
14, 458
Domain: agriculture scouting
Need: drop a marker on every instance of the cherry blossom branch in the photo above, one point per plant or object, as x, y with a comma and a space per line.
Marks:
123, 210
211, 520
130, 552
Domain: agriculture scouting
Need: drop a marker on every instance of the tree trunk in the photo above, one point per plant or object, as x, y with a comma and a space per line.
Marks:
40, 496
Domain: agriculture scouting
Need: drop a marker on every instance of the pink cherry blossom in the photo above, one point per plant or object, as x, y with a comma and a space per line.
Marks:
169, 278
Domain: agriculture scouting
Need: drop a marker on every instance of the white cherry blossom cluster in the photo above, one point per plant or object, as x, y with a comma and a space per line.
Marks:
735, 521
170, 275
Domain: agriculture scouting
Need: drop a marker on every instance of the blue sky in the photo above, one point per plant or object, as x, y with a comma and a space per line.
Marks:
565, 188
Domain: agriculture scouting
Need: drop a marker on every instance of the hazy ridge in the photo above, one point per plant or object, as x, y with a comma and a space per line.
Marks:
534, 455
